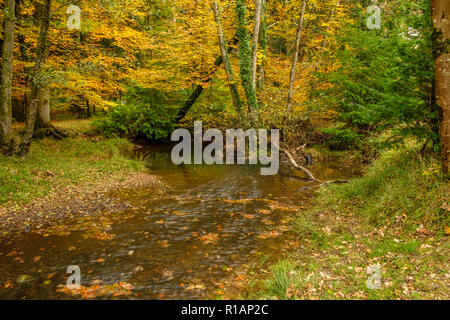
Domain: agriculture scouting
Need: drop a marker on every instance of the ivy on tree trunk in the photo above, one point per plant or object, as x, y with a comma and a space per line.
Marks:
245, 56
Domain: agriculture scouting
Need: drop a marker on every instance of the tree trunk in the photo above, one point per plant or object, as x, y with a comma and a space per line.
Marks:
43, 119
19, 110
44, 127
7, 73
255, 41
295, 58
88, 109
245, 56
262, 46
226, 61
35, 84
441, 49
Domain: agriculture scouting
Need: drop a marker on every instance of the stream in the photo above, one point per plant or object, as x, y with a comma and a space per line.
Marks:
197, 240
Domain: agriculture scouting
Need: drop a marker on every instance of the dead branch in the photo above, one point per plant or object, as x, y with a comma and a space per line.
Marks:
309, 173
299, 167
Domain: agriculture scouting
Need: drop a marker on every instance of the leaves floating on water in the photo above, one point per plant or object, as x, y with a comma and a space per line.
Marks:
271, 234
209, 238
196, 287
164, 243
96, 290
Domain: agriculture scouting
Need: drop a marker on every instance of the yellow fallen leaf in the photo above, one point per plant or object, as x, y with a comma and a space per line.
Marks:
447, 230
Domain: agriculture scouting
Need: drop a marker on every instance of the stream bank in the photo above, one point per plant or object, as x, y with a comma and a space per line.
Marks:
61, 179
394, 219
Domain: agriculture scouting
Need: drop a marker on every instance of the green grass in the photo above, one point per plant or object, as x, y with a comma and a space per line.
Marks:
401, 187
394, 217
53, 163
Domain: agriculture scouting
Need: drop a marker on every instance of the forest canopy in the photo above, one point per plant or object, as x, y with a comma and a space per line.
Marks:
150, 64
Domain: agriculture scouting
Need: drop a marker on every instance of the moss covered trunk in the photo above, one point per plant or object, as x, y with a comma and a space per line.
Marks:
262, 47
36, 84
245, 56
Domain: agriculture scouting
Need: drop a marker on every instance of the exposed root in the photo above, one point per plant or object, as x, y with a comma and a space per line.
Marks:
50, 131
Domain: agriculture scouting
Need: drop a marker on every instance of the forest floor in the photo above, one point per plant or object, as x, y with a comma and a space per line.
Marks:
394, 219
60, 178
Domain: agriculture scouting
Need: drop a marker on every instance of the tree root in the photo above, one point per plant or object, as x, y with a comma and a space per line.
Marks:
50, 131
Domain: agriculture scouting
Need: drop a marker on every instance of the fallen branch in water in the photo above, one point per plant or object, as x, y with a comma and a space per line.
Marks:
309, 173
299, 167
333, 181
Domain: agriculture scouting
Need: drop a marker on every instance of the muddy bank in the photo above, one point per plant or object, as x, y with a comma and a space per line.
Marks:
79, 200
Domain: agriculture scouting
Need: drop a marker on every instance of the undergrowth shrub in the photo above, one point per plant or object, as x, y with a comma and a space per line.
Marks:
341, 139
137, 121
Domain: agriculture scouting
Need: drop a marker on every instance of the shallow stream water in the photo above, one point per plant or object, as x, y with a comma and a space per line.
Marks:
199, 239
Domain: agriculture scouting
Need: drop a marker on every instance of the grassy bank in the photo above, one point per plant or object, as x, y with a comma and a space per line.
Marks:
394, 218
52, 164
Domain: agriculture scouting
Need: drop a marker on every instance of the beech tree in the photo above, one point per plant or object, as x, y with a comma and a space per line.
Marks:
7, 73
245, 56
36, 83
226, 60
295, 57
262, 47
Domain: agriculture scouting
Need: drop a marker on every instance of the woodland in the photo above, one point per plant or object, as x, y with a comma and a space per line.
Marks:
359, 90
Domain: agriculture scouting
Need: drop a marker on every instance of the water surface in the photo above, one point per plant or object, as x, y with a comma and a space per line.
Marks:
196, 240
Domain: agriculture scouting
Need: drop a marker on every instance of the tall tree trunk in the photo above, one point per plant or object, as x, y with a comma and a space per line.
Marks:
245, 56
263, 47
43, 109
441, 49
7, 73
19, 112
295, 58
226, 60
255, 41
35, 84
